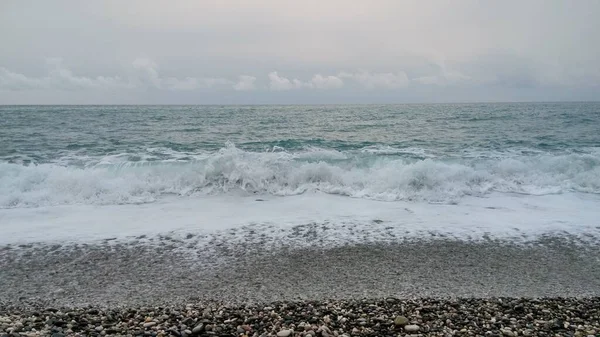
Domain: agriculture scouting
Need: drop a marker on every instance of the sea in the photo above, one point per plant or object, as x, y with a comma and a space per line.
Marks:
357, 173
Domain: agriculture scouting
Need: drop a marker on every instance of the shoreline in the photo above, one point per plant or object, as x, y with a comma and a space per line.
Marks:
111, 273
433, 286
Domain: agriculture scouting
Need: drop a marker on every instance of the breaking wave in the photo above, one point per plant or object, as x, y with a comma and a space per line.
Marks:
363, 174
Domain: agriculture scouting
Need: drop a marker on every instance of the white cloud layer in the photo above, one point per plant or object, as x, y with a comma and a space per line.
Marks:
58, 77
378, 80
144, 75
444, 77
245, 83
326, 82
302, 52
147, 75
492, 72
280, 83
318, 81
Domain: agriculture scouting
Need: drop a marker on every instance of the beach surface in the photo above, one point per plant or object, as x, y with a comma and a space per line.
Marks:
436, 287
157, 271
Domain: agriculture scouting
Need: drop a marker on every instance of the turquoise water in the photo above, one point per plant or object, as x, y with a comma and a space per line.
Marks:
51, 155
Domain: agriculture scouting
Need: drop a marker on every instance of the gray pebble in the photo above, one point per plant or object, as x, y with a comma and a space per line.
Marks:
284, 333
198, 328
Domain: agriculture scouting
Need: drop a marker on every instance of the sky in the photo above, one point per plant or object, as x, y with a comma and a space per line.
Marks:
298, 52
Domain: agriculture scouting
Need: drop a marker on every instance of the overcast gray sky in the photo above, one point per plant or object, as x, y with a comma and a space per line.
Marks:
310, 51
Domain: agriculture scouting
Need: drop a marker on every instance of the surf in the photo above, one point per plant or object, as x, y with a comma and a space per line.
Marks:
367, 173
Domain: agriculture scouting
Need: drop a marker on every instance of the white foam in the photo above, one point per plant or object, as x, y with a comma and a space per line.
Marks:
114, 181
349, 219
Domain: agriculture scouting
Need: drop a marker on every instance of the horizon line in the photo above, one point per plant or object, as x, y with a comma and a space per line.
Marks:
294, 104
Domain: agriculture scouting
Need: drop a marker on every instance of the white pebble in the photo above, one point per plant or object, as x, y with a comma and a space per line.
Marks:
149, 324
411, 328
284, 333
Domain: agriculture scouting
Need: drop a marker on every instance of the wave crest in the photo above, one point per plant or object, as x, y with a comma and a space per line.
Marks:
362, 175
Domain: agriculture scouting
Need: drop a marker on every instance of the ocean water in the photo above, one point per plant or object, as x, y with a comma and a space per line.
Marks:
161, 168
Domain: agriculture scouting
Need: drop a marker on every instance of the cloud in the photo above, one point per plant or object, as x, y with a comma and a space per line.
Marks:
492, 75
378, 80
397, 43
145, 74
444, 77
326, 82
280, 83
318, 81
245, 83
191, 83
13, 81
59, 77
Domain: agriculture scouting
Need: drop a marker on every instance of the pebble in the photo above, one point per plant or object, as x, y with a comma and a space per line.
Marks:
411, 328
198, 328
284, 333
508, 333
344, 318
401, 321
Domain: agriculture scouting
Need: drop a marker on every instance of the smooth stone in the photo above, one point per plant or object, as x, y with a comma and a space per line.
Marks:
508, 333
198, 328
284, 333
401, 321
411, 328
149, 324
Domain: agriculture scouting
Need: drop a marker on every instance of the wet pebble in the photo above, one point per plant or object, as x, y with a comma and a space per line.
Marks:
349, 318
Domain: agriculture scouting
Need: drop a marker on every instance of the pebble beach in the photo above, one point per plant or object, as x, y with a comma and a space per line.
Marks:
383, 317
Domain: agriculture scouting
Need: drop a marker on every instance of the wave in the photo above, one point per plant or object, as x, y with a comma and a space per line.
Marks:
362, 174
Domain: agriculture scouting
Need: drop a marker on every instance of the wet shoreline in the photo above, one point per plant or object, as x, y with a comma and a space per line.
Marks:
160, 272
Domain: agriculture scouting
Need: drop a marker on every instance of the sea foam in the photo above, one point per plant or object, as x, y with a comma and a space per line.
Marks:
360, 174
